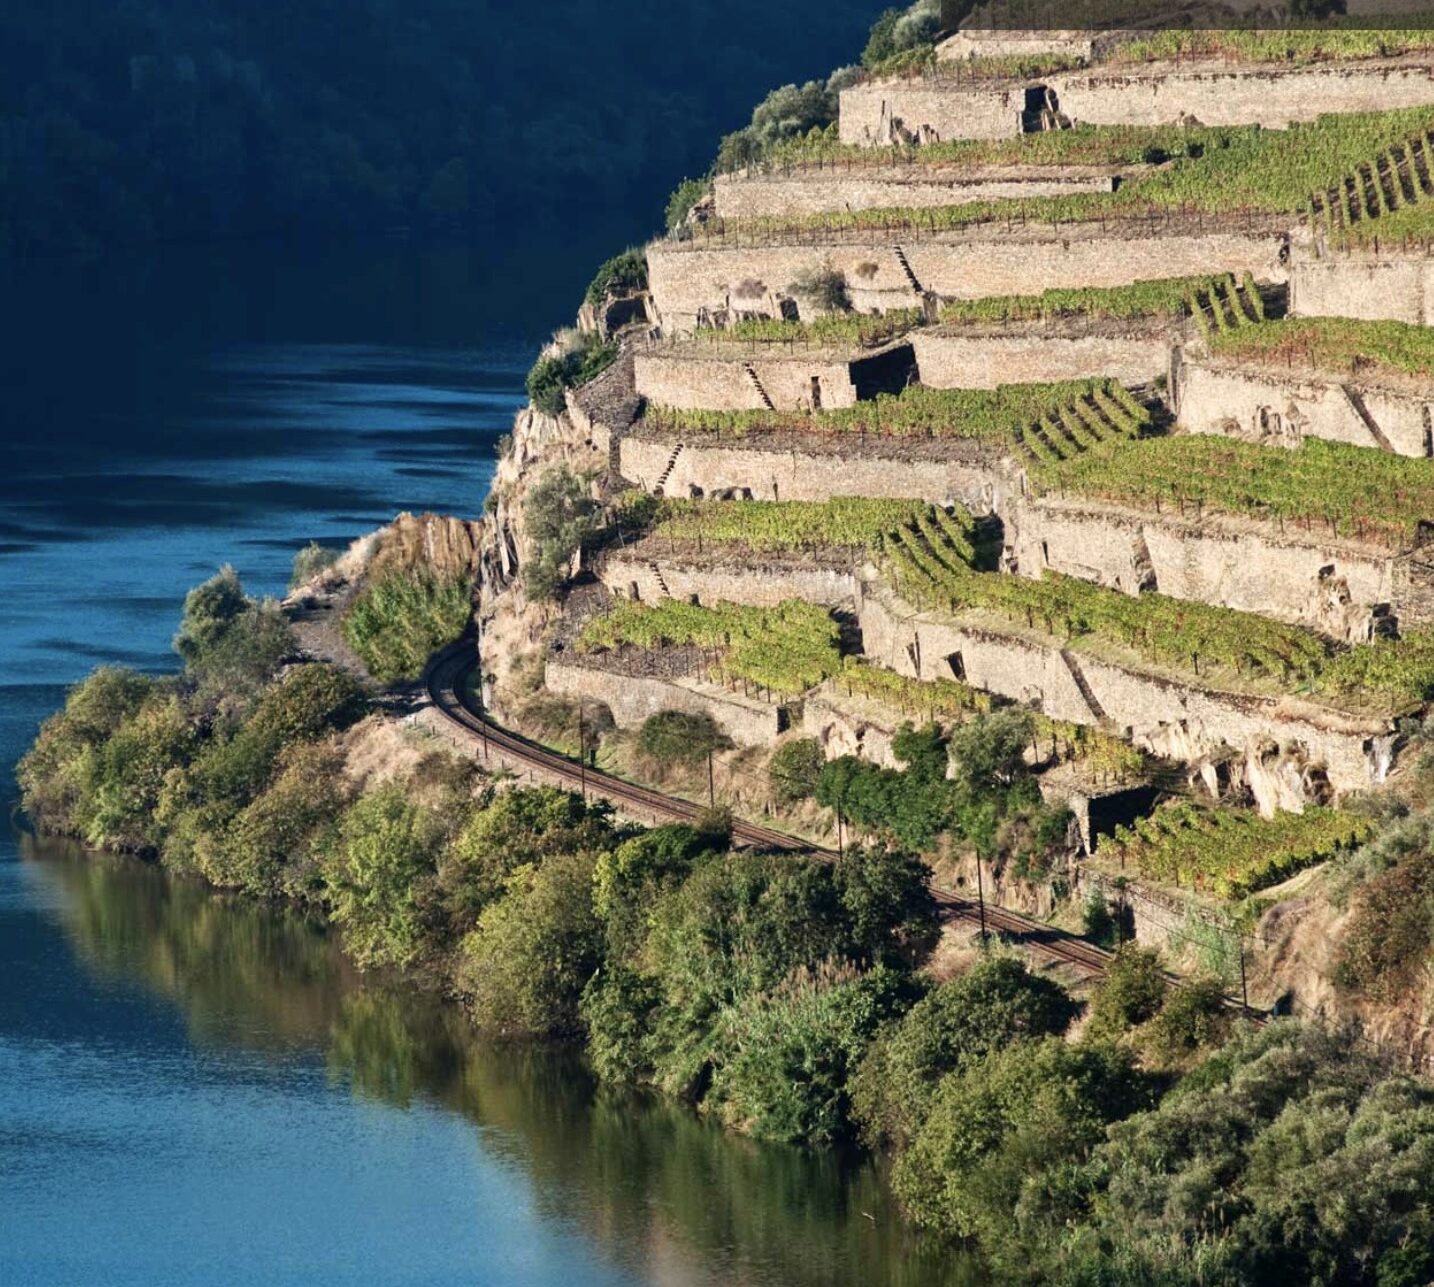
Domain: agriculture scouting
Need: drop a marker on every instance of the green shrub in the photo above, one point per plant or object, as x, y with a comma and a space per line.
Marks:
795, 768
400, 618
309, 562
1193, 1017
687, 194
825, 287
230, 642
680, 738
623, 274
580, 357
1387, 941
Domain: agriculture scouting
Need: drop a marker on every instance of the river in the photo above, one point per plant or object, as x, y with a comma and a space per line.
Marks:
194, 1089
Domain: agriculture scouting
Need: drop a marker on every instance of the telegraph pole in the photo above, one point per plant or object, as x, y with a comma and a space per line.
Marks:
981, 899
711, 782
582, 754
1244, 986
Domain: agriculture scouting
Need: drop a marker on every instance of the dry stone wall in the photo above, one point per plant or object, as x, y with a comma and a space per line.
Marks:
1282, 408
824, 191
1333, 586
694, 280
1390, 286
633, 699
952, 358
744, 468
646, 573
1292, 752
883, 112
732, 377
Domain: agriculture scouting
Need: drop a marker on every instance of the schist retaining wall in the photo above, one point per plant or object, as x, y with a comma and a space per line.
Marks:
793, 379
970, 358
791, 473
1271, 405
1388, 285
1332, 586
654, 574
632, 699
883, 112
689, 279
822, 191
1286, 744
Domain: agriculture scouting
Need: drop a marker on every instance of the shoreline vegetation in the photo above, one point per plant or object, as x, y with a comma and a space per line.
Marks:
790, 998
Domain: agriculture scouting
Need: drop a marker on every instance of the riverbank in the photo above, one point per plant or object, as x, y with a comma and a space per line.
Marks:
782, 996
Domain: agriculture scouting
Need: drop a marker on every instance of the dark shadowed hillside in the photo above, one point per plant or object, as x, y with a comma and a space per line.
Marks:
189, 119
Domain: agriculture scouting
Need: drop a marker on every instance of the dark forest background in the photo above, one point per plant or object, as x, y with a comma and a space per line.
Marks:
125, 122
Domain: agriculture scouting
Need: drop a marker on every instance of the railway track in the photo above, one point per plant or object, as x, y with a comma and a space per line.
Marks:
445, 682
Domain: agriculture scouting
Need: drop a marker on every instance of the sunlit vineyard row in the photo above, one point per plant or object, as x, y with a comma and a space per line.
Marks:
1163, 297
1336, 344
1212, 644
787, 649
768, 526
1239, 170
844, 329
1326, 488
942, 700
1232, 852
995, 415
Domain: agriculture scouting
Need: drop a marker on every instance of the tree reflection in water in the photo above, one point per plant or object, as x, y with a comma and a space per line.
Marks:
661, 1191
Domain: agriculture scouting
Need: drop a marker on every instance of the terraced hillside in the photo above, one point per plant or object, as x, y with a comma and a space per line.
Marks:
1085, 410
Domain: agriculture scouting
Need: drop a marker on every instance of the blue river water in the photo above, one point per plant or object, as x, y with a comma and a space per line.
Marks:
197, 1090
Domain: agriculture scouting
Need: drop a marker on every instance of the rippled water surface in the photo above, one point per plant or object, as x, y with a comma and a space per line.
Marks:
198, 1090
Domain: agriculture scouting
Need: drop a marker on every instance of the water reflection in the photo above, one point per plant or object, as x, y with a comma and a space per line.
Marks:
660, 1193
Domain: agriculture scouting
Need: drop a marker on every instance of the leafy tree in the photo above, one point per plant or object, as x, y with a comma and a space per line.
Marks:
379, 876
1001, 1123
521, 827
561, 517
623, 274
1132, 991
574, 358
130, 772
987, 754
996, 1002
629, 879
525, 966
915, 805
885, 896
899, 31
784, 1058
795, 769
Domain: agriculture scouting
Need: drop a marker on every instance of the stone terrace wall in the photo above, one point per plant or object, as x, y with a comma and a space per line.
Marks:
950, 358
878, 113
751, 196
657, 575
1388, 286
632, 699
1264, 403
715, 375
689, 278
1331, 586
720, 382
816, 474
1161, 715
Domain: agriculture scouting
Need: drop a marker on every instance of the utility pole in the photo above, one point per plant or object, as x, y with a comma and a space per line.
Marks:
839, 852
582, 754
711, 782
981, 899
1244, 985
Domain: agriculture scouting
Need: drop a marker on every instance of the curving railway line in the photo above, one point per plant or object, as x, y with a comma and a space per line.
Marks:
445, 682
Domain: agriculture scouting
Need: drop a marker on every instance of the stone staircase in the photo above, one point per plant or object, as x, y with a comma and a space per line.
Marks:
756, 383
667, 471
660, 579
911, 277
